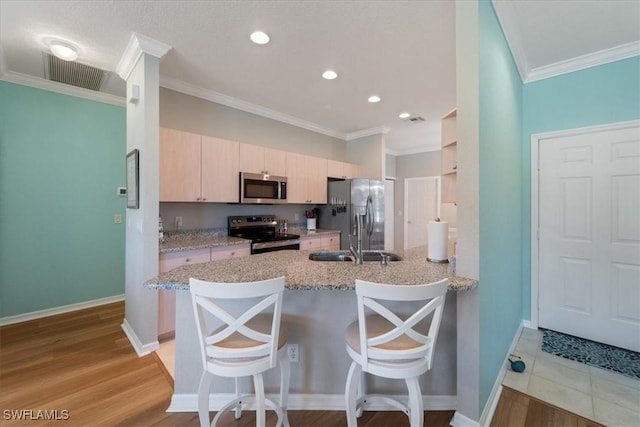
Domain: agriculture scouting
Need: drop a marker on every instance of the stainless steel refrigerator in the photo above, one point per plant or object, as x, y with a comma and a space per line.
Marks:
348, 198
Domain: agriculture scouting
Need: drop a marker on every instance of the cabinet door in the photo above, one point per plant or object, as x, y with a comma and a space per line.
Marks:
227, 252
220, 170
251, 158
343, 170
275, 162
179, 166
296, 178
331, 242
317, 180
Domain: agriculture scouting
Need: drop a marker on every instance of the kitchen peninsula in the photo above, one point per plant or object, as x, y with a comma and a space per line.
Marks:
318, 305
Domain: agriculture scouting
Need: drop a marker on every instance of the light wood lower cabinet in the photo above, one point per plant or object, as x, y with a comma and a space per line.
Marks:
171, 260
329, 242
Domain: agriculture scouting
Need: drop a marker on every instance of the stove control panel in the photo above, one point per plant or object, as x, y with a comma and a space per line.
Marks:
248, 221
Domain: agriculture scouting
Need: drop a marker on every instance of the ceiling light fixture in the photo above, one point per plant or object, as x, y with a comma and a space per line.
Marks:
329, 75
373, 99
404, 115
259, 37
63, 50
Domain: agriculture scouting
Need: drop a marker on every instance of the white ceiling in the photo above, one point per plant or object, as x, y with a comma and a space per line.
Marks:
403, 51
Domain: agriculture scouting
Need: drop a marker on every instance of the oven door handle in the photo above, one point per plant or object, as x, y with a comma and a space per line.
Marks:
276, 244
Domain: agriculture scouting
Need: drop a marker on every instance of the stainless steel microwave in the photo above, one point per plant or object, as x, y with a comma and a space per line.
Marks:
262, 188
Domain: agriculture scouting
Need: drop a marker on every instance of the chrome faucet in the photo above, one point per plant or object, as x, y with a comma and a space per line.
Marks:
357, 227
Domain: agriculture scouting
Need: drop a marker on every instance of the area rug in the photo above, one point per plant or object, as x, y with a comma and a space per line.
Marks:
591, 353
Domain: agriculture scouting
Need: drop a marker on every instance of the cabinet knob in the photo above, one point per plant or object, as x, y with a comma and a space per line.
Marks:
204, 198
187, 260
198, 199
233, 253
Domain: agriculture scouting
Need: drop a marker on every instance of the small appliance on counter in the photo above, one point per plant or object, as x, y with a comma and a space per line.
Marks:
264, 233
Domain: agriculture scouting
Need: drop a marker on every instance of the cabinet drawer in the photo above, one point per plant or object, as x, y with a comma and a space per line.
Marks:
227, 252
311, 243
171, 260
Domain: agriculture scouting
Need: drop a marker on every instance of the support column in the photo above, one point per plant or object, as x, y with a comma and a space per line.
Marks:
139, 67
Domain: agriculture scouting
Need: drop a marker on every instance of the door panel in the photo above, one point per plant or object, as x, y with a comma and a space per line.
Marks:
589, 249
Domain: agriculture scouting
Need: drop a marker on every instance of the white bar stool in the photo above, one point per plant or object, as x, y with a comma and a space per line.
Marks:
387, 346
247, 344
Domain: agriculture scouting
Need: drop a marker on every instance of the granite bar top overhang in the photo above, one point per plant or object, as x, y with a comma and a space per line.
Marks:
303, 274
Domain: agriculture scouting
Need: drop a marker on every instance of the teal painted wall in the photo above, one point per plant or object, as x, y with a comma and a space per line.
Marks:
605, 94
61, 160
500, 154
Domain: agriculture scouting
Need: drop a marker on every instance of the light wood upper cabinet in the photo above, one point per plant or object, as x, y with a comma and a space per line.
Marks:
195, 168
306, 179
449, 157
220, 170
179, 166
343, 170
257, 159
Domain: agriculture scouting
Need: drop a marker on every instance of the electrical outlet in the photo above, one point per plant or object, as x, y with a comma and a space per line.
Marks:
117, 219
178, 222
296, 217
292, 352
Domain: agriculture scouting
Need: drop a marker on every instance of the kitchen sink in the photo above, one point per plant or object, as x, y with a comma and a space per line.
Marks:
346, 256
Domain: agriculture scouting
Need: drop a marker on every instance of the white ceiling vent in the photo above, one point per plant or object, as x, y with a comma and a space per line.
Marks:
416, 119
73, 73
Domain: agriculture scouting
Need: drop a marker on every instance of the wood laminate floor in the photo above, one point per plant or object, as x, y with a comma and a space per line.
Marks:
78, 369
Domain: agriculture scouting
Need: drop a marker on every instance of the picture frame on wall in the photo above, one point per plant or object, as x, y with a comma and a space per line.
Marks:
133, 179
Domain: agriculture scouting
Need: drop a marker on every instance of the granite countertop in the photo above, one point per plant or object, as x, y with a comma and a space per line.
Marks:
304, 274
200, 242
303, 232
199, 239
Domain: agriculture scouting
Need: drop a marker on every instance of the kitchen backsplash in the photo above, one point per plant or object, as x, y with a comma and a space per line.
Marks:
205, 216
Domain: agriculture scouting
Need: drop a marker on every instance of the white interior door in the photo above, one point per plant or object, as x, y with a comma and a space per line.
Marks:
422, 204
589, 236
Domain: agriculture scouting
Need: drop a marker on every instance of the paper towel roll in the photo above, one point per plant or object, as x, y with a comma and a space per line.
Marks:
438, 241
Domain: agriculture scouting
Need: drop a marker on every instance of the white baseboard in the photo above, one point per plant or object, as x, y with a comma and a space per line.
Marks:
18, 318
307, 402
141, 349
460, 420
494, 396
528, 324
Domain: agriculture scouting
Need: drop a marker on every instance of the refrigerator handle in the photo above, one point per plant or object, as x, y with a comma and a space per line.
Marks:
369, 216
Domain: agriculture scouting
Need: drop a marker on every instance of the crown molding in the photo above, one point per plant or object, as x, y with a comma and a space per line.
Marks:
238, 104
139, 44
507, 18
64, 89
382, 130
594, 59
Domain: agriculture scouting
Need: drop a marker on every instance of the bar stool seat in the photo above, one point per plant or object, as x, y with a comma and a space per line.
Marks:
243, 343
388, 346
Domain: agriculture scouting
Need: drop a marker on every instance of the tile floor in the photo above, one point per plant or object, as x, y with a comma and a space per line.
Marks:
590, 392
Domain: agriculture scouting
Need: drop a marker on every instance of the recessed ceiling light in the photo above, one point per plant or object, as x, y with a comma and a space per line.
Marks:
404, 115
329, 75
373, 99
259, 37
63, 50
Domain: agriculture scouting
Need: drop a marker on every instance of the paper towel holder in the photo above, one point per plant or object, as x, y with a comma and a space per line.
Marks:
438, 261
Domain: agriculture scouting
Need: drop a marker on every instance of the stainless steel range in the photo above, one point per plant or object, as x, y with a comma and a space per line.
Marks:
263, 233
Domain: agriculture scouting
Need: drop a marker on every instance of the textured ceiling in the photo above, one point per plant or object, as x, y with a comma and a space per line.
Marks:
403, 51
